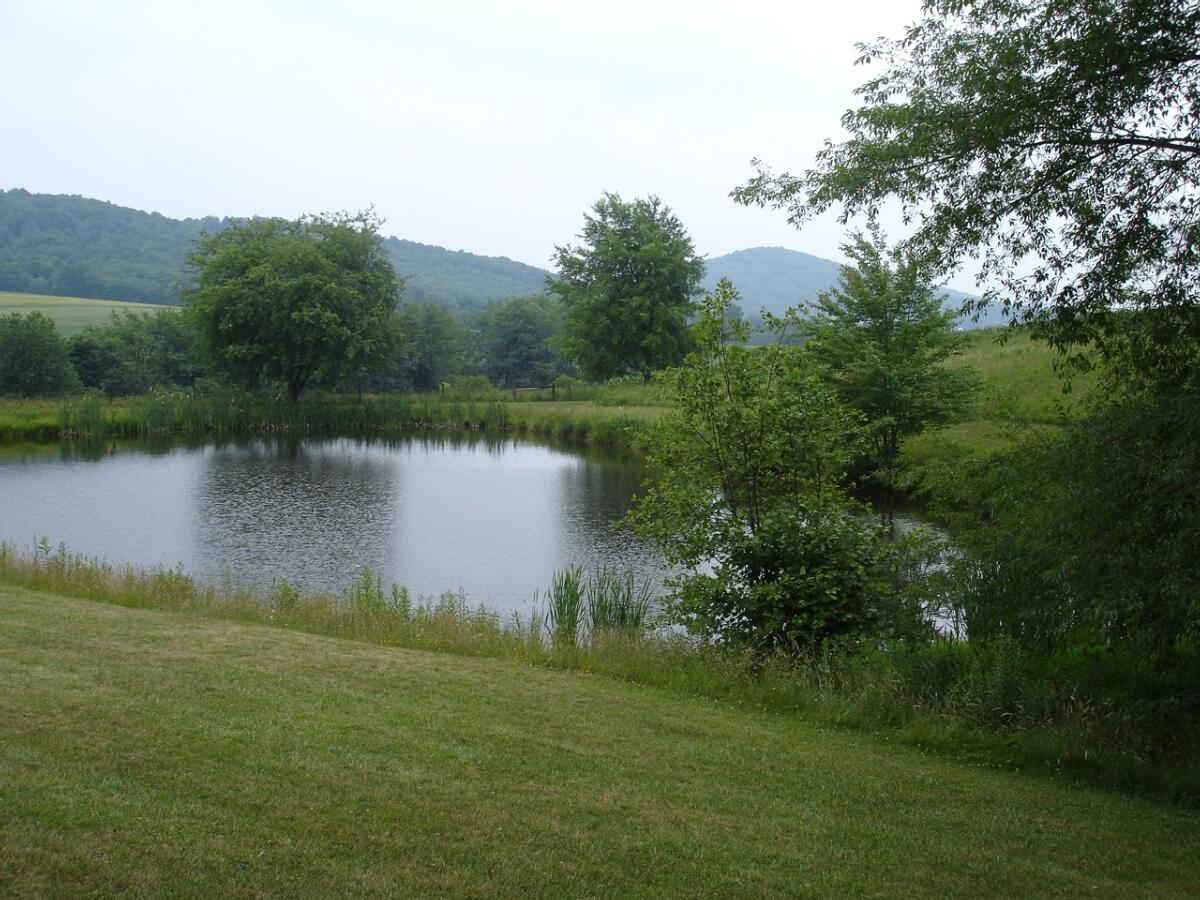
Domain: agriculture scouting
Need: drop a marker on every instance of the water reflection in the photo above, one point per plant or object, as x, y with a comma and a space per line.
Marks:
307, 510
594, 499
492, 516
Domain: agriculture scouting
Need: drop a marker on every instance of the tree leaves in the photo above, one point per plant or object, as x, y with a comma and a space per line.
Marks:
1058, 141
628, 289
290, 302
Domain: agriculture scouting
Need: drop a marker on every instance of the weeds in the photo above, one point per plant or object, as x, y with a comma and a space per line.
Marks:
235, 412
615, 603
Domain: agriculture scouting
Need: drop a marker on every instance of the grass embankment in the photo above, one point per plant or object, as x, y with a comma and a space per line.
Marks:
1021, 391
166, 752
995, 706
71, 314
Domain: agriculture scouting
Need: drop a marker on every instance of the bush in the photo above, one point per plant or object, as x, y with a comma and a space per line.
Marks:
1087, 538
33, 357
749, 496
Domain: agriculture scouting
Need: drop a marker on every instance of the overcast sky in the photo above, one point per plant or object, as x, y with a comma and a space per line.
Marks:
484, 126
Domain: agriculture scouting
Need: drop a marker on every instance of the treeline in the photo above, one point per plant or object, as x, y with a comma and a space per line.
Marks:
510, 342
79, 247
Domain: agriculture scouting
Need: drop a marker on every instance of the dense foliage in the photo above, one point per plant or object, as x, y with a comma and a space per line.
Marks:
33, 357
51, 244
748, 495
136, 352
1087, 538
1059, 139
518, 339
884, 337
628, 289
435, 346
294, 302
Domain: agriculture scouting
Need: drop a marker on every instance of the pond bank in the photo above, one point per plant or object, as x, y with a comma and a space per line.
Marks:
177, 413
940, 697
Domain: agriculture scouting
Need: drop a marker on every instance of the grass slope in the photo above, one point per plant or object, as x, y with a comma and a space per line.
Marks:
161, 753
1021, 391
71, 314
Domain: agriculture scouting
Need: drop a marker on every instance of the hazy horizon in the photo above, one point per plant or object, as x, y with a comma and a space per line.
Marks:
466, 125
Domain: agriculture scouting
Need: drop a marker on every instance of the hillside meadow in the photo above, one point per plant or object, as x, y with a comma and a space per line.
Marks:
71, 314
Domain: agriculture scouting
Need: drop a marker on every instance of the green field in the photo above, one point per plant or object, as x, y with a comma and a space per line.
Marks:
70, 314
164, 753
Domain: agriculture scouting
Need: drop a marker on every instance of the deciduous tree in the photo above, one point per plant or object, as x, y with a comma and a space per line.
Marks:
33, 357
135, 352
1057, 139
628, 289
435, 346
295, 302
884, 338
748, 495
518, 337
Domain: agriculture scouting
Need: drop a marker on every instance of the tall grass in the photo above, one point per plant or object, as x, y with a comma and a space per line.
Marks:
564, 605
600, 605
173, 412
168, 412
615, 603
582, 422
989, 704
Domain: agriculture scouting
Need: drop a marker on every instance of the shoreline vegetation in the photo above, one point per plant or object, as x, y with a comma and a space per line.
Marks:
1023, 395
996, 706
1001, 709
164, 413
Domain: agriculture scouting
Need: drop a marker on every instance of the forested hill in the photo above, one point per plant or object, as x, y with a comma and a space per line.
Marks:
79, 247
459, 279
774, 278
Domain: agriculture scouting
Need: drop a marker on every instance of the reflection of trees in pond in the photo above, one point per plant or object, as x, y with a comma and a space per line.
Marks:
594, 497
299, 508
494, 515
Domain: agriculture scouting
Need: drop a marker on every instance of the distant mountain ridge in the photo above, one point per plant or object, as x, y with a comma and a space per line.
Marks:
76, 246
79, 247
775, 278
458, 279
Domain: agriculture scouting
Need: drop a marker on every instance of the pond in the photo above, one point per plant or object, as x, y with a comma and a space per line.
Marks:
493, 517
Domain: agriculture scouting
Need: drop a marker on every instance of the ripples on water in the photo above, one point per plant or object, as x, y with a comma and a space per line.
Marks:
492, 517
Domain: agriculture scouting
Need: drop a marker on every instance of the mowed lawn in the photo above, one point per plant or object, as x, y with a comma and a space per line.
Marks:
162, 753
71, 314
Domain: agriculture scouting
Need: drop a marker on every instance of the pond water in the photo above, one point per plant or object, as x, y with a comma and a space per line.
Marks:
491, 516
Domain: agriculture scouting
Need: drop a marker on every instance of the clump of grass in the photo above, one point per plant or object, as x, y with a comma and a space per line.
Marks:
564, 605
614, 602
603, 603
